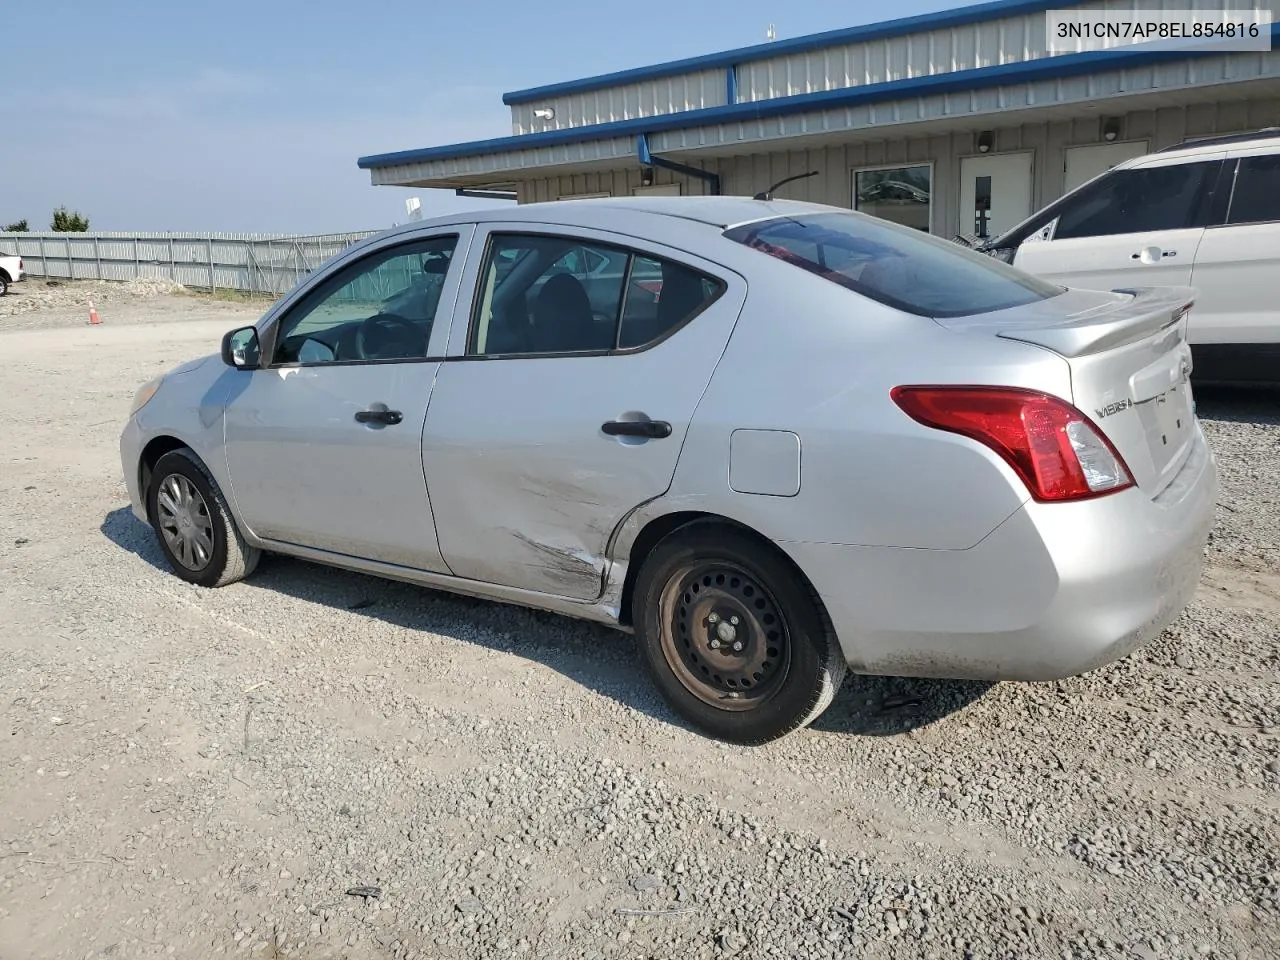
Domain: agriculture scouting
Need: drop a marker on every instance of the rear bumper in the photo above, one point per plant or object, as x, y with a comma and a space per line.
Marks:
1056, 590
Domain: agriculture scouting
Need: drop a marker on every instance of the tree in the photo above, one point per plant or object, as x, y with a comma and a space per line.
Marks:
64, 221
18, 226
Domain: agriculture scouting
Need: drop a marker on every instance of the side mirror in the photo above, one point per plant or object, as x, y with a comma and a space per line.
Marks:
241, 349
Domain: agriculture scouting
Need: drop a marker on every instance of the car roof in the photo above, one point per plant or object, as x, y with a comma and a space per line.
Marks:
1267, 138
601, 212
718, 211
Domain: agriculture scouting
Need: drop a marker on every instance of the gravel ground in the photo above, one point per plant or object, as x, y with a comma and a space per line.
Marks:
38, 304
192, 773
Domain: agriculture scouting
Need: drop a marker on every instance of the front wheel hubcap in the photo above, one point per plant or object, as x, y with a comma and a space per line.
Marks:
724, 635
185, 522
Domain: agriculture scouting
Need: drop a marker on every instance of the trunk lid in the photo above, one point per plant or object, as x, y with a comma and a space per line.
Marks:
1130, 367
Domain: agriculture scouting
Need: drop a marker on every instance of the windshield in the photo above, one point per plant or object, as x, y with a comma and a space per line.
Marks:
898, 266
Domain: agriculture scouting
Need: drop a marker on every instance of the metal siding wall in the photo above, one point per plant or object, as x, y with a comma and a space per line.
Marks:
1046, 140
691, 91
249, 262
618, 183
994, 42
897, 58
983, 106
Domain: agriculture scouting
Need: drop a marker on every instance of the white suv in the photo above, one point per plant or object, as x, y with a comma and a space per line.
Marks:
1204, 214
11, 271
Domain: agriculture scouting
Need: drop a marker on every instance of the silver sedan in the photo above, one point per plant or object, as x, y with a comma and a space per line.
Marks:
776, 441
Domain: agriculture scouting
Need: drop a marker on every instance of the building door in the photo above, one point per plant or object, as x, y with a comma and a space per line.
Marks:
995, 193
1085, 163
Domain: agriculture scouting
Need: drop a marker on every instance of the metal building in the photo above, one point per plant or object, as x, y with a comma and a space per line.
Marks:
960, 122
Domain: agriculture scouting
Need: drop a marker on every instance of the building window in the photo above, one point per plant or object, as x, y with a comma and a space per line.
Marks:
900, 194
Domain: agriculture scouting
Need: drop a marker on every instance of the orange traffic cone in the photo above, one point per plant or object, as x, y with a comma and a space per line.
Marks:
93, 314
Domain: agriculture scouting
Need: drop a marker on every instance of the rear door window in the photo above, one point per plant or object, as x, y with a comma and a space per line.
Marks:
1256, 197
1139, 201
661, 296
898, 266
560, 295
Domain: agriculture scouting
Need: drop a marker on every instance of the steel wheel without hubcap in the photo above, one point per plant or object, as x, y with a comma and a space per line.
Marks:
728, 642
184, 520
750, 681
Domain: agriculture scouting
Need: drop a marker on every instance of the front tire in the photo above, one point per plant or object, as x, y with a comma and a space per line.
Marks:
4, 284
733, 636
193, 524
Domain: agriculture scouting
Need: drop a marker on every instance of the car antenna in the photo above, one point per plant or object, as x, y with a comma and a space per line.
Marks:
768, 194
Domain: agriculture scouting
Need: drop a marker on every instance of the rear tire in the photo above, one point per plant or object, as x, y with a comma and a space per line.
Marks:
734, 638
4, 284
193, 524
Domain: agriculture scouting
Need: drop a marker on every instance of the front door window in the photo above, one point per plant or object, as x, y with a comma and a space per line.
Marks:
382, 307
1142, 200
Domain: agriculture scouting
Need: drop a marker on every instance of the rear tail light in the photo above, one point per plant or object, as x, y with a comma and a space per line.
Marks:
1055, 449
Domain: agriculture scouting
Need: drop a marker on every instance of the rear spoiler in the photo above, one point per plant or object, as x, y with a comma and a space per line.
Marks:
1152, 310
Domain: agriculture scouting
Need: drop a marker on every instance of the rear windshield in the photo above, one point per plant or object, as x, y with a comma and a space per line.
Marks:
898, 266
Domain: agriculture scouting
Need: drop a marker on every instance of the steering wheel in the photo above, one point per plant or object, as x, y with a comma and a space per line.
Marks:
387, 336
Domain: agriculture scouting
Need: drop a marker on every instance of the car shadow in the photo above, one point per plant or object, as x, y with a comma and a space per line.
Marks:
890, 706
599, 658
1238, 404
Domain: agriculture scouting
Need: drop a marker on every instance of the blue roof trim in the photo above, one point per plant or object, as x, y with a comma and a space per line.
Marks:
961, 16
1065, 65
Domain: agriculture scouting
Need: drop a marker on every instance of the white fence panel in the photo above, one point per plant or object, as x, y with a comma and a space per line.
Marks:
256, 263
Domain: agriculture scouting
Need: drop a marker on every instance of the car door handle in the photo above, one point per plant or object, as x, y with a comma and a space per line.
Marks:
1163, 253
389, 417
653, 429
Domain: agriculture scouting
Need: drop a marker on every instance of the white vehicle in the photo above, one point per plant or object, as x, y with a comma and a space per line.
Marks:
11, 271
1204, 214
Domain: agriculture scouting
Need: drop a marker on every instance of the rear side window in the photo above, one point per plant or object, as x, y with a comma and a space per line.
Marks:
1139, 201
898, 266
552, 295
1256, 197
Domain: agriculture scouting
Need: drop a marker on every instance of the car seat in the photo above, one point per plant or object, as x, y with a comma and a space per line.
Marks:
562, 318
681, 295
